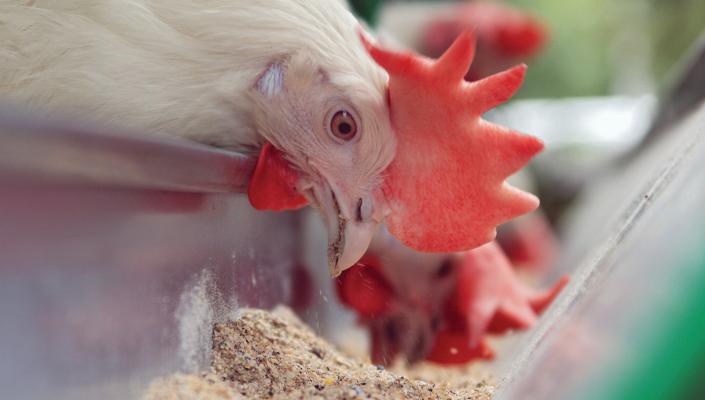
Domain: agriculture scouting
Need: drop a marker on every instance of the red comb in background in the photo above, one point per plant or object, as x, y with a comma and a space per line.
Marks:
446, 184
502, 28
530, 243
521, 40
490, 298
505, 34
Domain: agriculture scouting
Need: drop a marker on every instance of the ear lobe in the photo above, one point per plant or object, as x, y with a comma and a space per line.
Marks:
271, 82
273, 184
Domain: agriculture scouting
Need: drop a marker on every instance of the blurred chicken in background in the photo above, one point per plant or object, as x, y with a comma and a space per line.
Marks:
506, 35
435, 307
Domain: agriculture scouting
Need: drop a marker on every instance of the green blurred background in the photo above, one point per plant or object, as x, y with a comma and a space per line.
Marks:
602, 47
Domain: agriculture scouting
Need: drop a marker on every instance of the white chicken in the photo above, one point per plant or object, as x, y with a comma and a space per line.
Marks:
214, 71
292, 81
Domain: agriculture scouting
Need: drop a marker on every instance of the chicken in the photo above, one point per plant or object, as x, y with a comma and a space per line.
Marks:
530, 243
505, 34
438, 307
288, 81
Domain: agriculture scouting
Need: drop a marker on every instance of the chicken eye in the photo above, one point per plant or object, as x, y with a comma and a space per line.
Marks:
343, 125
444, 270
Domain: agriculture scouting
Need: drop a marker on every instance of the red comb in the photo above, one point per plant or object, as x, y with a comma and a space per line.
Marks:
446, 184
506, 319
491, 298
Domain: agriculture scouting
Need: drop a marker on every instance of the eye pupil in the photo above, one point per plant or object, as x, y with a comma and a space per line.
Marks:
343, 125
344, 128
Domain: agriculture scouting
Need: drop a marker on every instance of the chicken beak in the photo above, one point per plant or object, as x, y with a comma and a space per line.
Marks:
353, 243
350, 227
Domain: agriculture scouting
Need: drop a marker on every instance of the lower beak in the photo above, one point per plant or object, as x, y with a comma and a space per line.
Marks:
349, 234
352, 240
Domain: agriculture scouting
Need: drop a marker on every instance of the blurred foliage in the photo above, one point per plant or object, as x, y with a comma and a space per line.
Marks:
367, 9
596, 45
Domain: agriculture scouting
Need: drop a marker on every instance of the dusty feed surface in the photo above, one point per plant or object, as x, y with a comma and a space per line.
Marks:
263, 355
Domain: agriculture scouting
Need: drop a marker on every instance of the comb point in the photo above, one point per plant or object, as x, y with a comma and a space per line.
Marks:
456, 61
517, 202
539, 302
517, 149
394, 62
496, 89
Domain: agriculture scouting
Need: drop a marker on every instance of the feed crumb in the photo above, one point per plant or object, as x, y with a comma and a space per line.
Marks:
273, 355
191, 387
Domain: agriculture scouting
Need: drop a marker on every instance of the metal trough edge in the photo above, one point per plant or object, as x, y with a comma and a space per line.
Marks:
55, 149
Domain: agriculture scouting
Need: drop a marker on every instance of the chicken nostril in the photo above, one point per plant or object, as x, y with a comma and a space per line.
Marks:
364, 209
359, 210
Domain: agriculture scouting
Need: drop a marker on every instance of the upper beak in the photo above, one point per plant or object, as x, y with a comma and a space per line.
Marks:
350, 224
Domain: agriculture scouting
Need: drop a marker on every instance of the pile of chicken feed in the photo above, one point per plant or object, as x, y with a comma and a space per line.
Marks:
273, 355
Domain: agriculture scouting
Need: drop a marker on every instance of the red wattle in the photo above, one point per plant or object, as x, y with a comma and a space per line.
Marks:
363, 288
273, 184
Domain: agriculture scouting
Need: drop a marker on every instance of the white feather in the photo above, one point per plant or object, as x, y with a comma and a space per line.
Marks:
179, 67
272, 81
